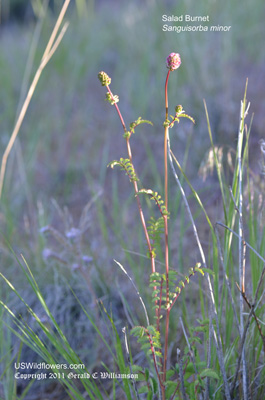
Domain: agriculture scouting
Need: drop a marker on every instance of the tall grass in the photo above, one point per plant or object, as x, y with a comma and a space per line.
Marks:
163, 294
217, 359
215, 347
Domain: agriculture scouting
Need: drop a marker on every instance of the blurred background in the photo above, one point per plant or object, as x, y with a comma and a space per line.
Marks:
57, 178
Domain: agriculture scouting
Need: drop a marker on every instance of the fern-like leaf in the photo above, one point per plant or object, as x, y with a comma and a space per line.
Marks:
149, 339
155, 230
157, 199
180, 113
126, 166
175, 288
138, 122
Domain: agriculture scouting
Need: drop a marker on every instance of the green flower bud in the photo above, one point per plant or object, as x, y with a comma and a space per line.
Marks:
105, 80
112, 99
179, 109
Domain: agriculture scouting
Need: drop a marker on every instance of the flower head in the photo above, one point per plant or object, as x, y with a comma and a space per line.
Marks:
112, 99
173, 61
104, 78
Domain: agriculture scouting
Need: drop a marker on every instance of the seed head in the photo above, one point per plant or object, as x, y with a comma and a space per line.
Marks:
105, 80
173, 61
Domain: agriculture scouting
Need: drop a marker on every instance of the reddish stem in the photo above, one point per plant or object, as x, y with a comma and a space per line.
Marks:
141, 212
117, 108
155, 364
165, 142
135, 187
166, 229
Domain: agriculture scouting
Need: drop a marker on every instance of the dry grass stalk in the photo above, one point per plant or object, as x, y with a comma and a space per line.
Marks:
48, 53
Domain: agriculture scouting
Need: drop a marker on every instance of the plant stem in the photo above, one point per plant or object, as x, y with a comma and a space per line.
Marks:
141, 212
155, 364
166, 228
135, 187
165, 142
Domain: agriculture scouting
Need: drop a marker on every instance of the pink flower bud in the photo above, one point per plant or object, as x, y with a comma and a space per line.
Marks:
173, 61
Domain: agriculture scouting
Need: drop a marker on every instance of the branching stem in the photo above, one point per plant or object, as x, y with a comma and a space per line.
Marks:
135, 186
